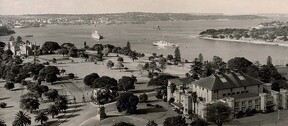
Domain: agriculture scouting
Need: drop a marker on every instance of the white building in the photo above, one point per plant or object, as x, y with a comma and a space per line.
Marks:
19, 48
238, 90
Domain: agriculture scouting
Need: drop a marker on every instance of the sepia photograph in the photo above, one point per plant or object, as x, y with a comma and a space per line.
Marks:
143, 63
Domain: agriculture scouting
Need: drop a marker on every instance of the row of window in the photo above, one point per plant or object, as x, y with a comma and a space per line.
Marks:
243, 103
233, 93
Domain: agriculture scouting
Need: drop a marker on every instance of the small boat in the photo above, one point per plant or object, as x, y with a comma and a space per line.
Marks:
29, 36
96, 35
165, 44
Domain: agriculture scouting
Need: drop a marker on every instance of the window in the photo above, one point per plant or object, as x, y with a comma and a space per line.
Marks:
243, 103
246, 91
256, 101
224, 95
233, 93
243, 109
256, 107
238, 92
236, 104
242, 92
202, 88
250, 101
228, 94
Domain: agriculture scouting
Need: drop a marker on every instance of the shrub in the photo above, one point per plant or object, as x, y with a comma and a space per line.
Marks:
71, 75
171, 100
240, 114
3, 104
143, 98
9, 85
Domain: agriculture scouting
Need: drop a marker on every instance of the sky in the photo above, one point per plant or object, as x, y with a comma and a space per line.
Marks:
17, 7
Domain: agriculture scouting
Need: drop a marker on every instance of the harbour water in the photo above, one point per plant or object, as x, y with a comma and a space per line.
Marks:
141, 37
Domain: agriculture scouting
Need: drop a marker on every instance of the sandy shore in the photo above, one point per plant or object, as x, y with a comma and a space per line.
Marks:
276, 43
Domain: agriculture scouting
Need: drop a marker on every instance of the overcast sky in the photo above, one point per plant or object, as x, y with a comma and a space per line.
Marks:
11, 7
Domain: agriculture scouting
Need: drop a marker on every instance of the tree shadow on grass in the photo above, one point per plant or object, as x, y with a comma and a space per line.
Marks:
4, 98
9, 106
150, 110
110, 116
141, 82
150, 101
53, 123
67, 116
17, 89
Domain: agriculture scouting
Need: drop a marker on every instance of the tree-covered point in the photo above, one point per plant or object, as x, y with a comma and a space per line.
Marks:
4, 30
267, 31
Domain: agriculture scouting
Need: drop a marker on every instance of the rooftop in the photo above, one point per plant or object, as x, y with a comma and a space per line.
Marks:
227, 81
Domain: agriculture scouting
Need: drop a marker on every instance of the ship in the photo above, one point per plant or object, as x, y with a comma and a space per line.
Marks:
165, 44
96, 35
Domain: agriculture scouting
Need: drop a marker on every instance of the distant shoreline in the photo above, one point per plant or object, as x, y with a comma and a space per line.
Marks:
259, 42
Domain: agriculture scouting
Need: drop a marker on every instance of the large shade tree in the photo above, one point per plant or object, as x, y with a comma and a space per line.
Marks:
126, 83
218, 113
49, 47
127, 102
89, 79
104, 82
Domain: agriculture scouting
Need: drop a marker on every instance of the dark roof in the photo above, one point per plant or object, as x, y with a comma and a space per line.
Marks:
227, 81
181, 81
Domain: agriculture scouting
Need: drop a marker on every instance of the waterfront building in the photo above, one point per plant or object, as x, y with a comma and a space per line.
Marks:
19, 48
240, 91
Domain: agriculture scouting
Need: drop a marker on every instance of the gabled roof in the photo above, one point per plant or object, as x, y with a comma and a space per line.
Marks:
227, 81
181, 81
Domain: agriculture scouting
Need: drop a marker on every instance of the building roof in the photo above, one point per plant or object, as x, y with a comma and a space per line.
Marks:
181, 81
227, 81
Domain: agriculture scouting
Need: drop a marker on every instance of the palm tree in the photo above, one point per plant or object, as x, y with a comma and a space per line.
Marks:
42, 117
22, 119
2, 123
194, 98
53, 110
29, 104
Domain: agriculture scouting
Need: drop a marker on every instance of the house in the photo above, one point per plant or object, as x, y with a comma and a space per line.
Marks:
19, 48
238, 90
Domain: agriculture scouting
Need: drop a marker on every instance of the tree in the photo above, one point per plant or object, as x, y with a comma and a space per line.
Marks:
200, 57
239, 63
198, 122
49, 47
119, 65
53, 110
269, 61
67, 46
41, 117
71, 76
127, 102
52, 94
61, 102
126, 83
89, 79
104, 82
51, 78
110, 64
2, 123
175, 121
169, 57
9, 85
53, 70
151, 123
161, 80
123, 124
120, 59
162, 63
177, 55
128, 46
28, 103
143, 98
218, 113
196, 68
21, 119
73, 52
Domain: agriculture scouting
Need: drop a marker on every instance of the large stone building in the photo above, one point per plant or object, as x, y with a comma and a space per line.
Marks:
19, 47
238, 90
